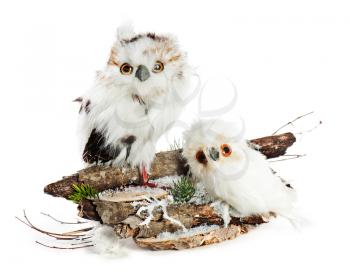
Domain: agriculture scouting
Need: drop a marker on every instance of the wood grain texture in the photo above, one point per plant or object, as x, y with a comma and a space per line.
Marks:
165, 164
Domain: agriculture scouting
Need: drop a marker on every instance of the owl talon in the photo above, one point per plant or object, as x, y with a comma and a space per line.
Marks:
144, 178
151, 185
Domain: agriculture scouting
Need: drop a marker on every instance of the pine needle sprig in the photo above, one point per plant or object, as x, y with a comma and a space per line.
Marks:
183, 190
82, 191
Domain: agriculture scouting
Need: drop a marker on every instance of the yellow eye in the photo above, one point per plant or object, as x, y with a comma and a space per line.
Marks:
201, 158
226, 150
126, 69
158, 67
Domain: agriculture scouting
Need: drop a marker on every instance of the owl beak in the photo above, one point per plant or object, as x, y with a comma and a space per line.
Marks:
214, 154
142, 73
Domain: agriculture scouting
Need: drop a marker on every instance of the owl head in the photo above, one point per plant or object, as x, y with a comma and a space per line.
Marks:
214, 148
147, 65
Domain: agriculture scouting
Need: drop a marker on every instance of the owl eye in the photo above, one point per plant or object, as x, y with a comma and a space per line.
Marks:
126, 69
158, 67
201, 158
226, 150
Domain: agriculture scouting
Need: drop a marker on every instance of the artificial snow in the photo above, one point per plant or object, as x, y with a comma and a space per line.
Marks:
183, 234
133, 193
106, 242
150, 207
167, 181
200, 196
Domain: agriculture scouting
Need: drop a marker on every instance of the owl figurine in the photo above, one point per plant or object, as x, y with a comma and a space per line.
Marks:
233, 172
135, 99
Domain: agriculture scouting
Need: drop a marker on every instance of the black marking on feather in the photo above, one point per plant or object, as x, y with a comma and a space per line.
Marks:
128, 149
152, 36
78, 99
133, 39
128, 141
96, 151
137, 98
87, 106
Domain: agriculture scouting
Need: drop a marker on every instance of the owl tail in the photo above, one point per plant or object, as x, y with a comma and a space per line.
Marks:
295, 219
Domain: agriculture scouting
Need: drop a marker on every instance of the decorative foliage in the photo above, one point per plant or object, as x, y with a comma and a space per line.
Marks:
183, 190
82, 191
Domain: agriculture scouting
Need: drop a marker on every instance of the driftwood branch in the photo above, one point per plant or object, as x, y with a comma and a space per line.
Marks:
165, 164
149, 218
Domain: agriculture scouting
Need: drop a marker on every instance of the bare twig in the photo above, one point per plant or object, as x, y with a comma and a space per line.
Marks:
291, 122
51, 234
289, 157
168, 163
61, 222
64, 248
297, 155
72, 235
309, 130
79, 231
80, 243
57, 236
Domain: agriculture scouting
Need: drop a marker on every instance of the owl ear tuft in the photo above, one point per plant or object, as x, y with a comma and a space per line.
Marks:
125, 31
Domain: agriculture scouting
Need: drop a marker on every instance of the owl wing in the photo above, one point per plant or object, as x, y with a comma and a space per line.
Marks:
96, 150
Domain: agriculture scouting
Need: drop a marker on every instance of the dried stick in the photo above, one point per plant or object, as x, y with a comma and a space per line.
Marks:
73, 235
80, 243
291, 122
165, 164
309, 130
64, 248
61, 222
289, 157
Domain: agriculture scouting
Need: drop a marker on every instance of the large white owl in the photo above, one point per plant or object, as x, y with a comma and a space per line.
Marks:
233, 172
134, 100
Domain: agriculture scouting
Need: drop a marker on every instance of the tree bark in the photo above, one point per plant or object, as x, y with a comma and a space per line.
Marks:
165, 164
215, 235
127, 222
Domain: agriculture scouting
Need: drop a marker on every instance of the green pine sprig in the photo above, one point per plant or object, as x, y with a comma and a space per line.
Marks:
82, 191
183, 190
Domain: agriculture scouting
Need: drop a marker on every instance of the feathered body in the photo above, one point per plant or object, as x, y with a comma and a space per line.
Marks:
234, 172
134, 100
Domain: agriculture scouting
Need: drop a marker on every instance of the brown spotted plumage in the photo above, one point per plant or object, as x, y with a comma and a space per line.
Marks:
134, 101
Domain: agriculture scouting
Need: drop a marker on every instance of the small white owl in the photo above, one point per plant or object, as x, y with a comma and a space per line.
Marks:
233, 172
134, 100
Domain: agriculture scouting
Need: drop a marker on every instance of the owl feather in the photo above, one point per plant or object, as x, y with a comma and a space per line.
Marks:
135, 99
234, 172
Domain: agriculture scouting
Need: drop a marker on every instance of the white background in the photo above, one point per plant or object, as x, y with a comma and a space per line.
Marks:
286, 58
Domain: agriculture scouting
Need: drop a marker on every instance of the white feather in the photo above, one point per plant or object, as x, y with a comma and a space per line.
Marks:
113, 110
125, 31
244, 179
